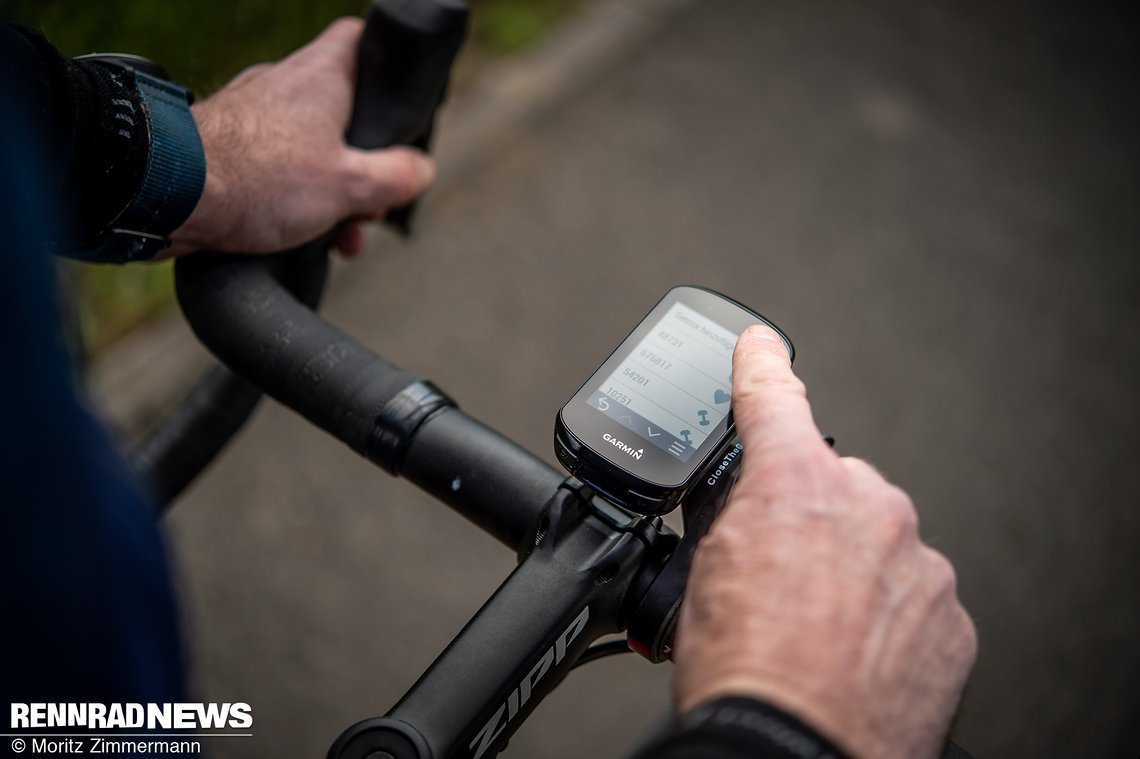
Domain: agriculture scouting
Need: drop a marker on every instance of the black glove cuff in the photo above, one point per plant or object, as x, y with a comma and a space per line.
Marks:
739, 726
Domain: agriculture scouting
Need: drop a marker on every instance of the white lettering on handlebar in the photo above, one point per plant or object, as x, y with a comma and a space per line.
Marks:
519, 697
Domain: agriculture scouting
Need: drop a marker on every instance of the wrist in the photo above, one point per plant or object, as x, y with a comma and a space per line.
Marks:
814, 708
174, 176
736, 725
206, 225
203, 226
748, 718
805, 681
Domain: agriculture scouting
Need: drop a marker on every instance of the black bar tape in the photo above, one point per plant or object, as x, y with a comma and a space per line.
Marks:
284, 348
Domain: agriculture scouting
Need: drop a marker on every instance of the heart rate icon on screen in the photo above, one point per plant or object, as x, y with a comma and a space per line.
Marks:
721, 397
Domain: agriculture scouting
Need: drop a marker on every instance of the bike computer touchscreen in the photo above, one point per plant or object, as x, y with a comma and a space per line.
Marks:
646, 423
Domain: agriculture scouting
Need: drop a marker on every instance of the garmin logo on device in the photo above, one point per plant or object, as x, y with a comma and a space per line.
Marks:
623, 447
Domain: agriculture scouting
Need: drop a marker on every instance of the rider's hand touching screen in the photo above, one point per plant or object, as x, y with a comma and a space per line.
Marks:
813, 592
278, 171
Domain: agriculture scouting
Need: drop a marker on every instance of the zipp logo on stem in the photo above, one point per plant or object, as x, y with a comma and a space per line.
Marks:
519, 697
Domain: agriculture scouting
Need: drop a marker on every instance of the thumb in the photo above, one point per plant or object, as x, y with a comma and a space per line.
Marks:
769, 402
387, 178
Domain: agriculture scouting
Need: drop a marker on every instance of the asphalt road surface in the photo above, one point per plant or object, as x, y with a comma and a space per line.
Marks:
939, 203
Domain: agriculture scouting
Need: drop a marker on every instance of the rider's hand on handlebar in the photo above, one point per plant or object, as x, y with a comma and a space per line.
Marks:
812, 590
278, 170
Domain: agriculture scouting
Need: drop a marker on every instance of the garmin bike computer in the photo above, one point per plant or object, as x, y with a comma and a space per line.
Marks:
658, 410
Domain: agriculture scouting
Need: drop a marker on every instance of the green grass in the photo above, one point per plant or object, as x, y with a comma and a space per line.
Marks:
507, 26
203, 43
110, 301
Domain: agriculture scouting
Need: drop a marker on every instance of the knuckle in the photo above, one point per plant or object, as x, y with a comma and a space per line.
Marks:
863, 476
943, 578
803, 480
405, 176
722, 541
377, 180
942, 584
968, 638
892, 505
896, 511
768, 402
861, 471
357, 181
939, 577
250, 72
762, 383
961, 639
372, 185
901, 508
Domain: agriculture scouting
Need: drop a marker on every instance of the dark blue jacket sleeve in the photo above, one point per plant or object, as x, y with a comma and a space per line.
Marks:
92, 126
87, 609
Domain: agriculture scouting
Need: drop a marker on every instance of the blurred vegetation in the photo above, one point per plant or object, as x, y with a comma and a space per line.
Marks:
203, 43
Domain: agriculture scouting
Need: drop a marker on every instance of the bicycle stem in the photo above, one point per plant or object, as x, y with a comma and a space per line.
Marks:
570, 588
